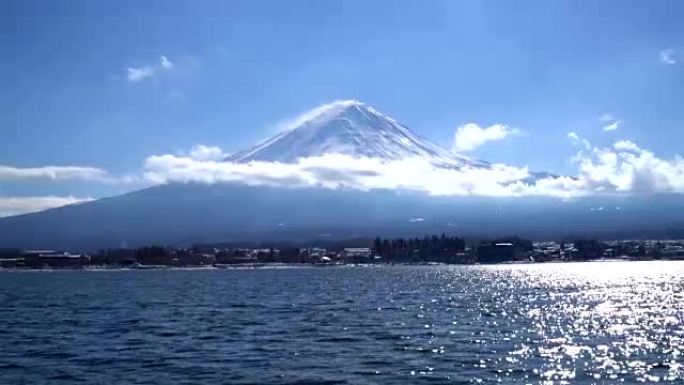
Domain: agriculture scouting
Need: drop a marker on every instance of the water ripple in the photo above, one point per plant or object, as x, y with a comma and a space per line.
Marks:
583, 323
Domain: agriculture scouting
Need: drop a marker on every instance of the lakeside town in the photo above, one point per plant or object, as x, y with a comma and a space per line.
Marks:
433, 249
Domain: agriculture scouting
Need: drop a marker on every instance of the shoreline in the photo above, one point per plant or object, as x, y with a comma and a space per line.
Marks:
276, 266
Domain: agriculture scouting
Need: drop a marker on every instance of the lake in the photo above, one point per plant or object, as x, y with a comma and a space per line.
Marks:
580, 323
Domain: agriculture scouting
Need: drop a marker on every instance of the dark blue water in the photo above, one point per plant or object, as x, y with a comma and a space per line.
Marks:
551, 323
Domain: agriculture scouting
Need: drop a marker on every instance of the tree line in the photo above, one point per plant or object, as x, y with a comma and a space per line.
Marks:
433, 247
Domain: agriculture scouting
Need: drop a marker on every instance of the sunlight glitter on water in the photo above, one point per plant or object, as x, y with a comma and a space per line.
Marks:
612, 321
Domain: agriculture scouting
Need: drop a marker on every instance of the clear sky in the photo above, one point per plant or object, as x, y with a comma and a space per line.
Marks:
107, 84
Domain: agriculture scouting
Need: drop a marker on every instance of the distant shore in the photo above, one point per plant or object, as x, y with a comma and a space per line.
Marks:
432, 249
275, 266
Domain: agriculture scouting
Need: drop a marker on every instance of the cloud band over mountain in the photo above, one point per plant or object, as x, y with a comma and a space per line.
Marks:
620, 169
22, 205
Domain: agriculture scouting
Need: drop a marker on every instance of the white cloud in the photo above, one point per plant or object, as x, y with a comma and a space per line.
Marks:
344, 171
625, 167
611, 123
612, 126
202, 153
165, 62
64, 173
470, 136
52, 172
22, 205
138, 74
627, 146
622, 168
667, 56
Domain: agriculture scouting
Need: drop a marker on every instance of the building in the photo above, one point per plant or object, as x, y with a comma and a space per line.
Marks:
357, 254
54, 259
314, 254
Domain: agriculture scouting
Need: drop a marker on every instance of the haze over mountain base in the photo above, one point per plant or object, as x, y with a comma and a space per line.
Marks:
194, 213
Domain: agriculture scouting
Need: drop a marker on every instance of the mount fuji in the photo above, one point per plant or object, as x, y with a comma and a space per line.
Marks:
185, 213
350, 128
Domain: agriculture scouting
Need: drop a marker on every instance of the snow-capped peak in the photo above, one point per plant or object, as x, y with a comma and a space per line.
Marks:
353, 128
320, 112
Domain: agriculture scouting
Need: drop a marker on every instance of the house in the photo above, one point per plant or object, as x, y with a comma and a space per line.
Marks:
357, 254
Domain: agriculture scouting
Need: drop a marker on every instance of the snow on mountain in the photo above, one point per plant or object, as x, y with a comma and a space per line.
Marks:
351, 128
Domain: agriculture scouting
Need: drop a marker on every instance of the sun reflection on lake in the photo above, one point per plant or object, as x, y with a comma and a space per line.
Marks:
612, 321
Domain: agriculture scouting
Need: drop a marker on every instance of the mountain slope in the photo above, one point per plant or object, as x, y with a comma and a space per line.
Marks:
350, 128
192, 213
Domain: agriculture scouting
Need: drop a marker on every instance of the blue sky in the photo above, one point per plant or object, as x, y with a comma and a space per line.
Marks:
234, 70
